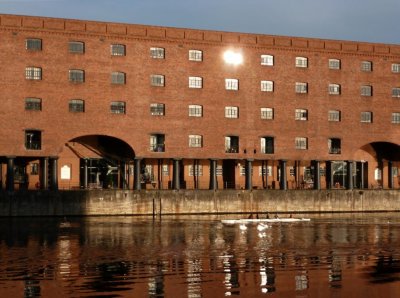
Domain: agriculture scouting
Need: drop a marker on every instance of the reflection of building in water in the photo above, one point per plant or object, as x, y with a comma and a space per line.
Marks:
267, 275
156, 281
301, 280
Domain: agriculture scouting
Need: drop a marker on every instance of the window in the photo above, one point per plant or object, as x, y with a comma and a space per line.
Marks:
117, 50
117, 107
195, 170
195, 82
366, 90
76, 105
157, 143
267, 113
157, 80
301, 114
267, 60
267, 145
165, 170
33, 73
157, 53
301, 62
267, 86
231, 84
118, 78
396, 118
195, 141
33, 139
231, 112
195, 55
33, 44
76, 76
157, 109
334, 146
301, 143
396, 92
301, 87
265, 171
334, 64
366, 66
195, 111
396, 67
334, 89
33, 104
334, 115
34, 168
76, 47
231, 144
366, 117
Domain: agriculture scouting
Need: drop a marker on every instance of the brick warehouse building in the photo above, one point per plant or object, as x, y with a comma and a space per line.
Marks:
107, 105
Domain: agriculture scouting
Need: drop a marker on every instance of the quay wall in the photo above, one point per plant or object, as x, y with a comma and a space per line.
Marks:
169, 202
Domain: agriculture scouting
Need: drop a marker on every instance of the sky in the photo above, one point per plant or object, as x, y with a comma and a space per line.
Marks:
358, 20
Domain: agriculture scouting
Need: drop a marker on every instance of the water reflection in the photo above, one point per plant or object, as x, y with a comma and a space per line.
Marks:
339, 255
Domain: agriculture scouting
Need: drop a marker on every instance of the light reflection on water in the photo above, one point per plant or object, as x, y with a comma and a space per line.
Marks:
330, 256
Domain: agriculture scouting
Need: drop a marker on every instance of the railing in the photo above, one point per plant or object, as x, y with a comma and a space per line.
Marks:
157, 147
232, 149
335, 151
33, 145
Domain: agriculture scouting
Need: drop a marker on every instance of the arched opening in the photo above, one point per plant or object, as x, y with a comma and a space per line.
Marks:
103, 162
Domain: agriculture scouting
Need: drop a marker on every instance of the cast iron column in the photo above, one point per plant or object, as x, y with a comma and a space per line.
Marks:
390, 174
248, 168
282, 180
176, 176
10, 173
54, 173
317, 175
44, 178
362, 175
349, 174
136, 175
213, 174
85, 174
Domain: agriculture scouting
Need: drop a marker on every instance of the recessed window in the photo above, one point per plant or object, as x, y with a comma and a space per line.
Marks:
34, 168
265, 171
366, 66
301, 87
157, 143
334, 64
157, 80
76, 75
195, 55
195, 141
33, 139
302, 62
76, 106
396, 118
117, 50
334, 89
334, 146
267, 60
195, 82
231, 112
366, 117
33, 104
334, 115
396, 92
118, 107
76, 47
301, 114
33, 44
301, 143
267, 113
118, 78
366, 90
157, 53
231, 144
396, 67
157, 109
267, 145
231, 84
195, 111
33, 73
267, 86
195, 170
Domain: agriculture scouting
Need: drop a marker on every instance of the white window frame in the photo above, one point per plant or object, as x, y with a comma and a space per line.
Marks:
263, 145
366, 66
396, 92
118, 78
157, 80
262, 169
334, 116
76, 47
157, 53
33, 44
366, 117
396, 117
302, 62
195, 170
267, 113
118, 107
195, 111
196, 82
232, 112
396, 67
334, 89
334, 64
267, 86
301, 87
157, 109
366, 90
118, 50
195, 55
33, 104
301, 143
301, 114
76, 75
231, 84
33, 73
76, 105
267, 60
195, 141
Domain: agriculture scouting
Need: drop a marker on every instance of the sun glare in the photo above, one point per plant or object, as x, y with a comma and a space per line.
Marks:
232, 57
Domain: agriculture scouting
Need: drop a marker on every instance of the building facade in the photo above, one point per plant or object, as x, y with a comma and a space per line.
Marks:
107, 105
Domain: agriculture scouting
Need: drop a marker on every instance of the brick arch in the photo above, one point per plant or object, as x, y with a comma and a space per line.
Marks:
382, 150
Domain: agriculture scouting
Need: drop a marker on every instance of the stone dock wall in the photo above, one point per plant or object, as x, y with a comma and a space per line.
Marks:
167, 202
